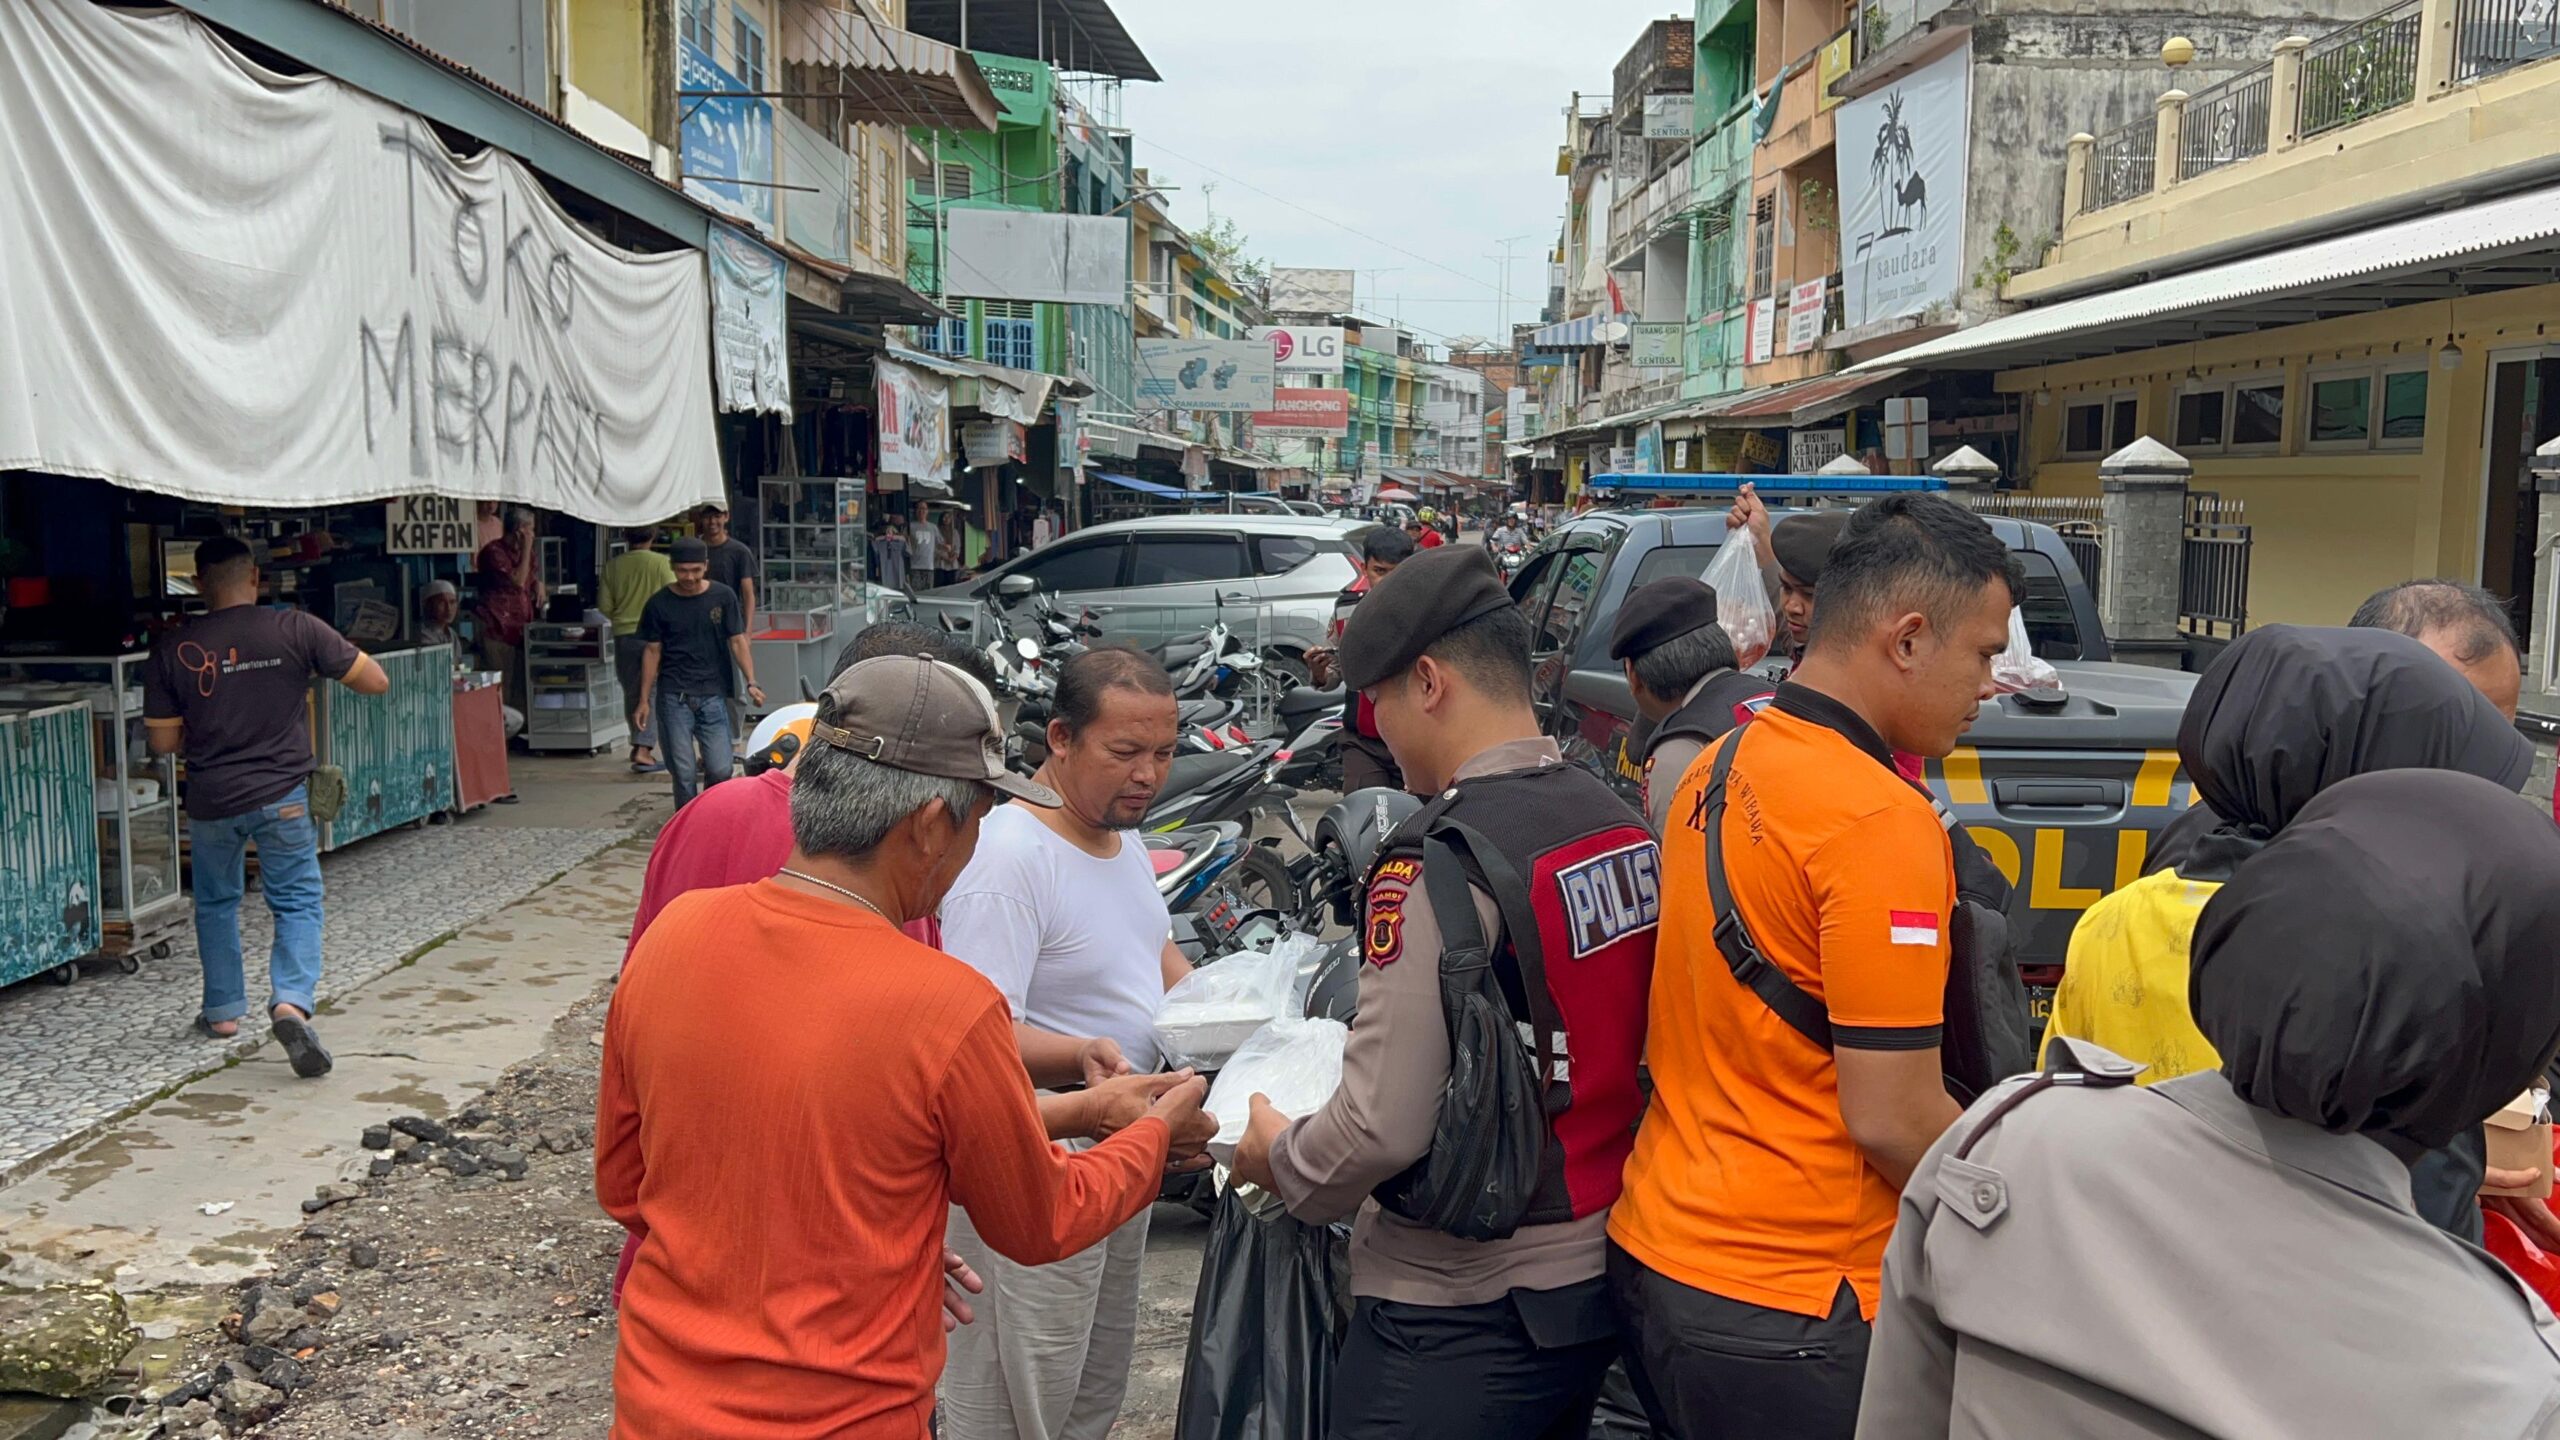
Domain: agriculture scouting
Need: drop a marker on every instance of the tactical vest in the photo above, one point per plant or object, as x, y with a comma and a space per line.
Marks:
1577, 879
1729, 698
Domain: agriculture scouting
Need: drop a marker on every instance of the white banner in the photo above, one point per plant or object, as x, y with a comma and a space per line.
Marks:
1515, 415
1206, 375
1804, 315
1902, 184
1764, 328
915, 421
262, 290
749, 356
1019, 255
1303, 349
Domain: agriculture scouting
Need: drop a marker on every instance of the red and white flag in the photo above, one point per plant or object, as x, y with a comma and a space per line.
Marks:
1913, 927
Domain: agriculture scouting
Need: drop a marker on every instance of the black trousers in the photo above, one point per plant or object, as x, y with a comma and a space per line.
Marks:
1364, 768
1709, 1368
1525, 1367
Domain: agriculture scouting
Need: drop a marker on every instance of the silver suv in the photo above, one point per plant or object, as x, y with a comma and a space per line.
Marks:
1271, 578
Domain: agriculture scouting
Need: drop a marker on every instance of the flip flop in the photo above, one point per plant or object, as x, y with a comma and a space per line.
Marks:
205, 1028
654, 767
302, 1046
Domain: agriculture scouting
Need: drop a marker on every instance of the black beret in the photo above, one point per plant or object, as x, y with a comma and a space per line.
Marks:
1803, 543
1659, 612
1405, 614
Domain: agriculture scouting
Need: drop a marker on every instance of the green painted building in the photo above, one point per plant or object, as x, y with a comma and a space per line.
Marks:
1720, 182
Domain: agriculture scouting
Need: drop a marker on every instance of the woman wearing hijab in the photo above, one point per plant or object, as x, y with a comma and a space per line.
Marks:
2234, 1253
2285, 713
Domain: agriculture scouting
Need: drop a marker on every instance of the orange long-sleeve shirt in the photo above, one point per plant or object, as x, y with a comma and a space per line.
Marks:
793, 1094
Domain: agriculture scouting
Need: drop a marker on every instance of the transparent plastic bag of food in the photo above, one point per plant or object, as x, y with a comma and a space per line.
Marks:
1742, 598
1296, 1064
1214, 1009
2019, 667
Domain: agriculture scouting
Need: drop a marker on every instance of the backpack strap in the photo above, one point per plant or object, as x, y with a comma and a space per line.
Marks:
1733, 937
1446, 850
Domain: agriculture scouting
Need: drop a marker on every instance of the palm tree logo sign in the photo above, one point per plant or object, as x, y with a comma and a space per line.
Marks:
1895, 166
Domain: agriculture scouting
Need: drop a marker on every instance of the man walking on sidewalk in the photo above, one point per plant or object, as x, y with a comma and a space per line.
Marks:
684, 675
630, 578
231, 690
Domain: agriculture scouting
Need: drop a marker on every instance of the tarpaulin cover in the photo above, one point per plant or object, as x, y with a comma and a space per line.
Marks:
249, 288
1266, 1326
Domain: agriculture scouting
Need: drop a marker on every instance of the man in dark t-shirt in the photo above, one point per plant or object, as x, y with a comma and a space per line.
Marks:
232, 690
692, 632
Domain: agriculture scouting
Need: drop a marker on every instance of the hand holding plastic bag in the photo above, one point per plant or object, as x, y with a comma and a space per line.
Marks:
2019, 667
1295, 1064
1214, 1009
1742, 598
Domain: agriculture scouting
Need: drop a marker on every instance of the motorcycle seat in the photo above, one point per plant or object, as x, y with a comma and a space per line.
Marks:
1305, 702
1192, 770
1181, 654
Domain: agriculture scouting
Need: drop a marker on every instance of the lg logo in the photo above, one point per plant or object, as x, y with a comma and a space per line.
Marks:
1283, 345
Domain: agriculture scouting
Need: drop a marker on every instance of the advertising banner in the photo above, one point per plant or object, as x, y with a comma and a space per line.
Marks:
727, 144
992, 442
1303, 349
1810, 450
1902, 184
1834, 60
1304, 414
1656, 344
1209, 375
1018, 255
325, 307
1804, 315
748, 356
915, 421
1764, 324
1515, 415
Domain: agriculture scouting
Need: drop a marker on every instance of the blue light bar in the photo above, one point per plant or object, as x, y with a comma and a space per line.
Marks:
1680, 484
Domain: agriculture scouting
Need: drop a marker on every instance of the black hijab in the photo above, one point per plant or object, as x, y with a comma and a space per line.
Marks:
2388, 964
2290, 710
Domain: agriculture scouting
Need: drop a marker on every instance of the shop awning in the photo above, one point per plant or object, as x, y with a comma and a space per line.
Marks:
2494, 245
996, 389
1804, 402
1582, 334
883, 75
1145, 487
1084, 36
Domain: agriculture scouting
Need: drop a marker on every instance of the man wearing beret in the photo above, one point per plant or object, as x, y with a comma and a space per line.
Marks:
1793, 553
1479, 1313
1680, 669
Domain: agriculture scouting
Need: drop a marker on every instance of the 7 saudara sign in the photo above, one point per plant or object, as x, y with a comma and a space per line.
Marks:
1902, 192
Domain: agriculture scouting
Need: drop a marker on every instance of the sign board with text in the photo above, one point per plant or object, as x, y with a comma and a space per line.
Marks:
430, 525
1655, 345
1303, 349
1810, 450
1206, 375
1300, 413
1764, 323
1804, 315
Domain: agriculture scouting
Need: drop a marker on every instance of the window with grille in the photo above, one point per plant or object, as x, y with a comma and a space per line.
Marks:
750, 38
695, 20
1764, 246
1009, 334
947, 337
956, 184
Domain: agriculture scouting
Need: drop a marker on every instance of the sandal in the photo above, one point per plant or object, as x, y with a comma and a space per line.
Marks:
205, 1028
302, 1046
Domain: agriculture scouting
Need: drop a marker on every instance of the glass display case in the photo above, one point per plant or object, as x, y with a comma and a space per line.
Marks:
134, 794
813, 545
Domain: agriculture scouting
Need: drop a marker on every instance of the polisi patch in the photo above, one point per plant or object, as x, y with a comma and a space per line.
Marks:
1611, 896
1382, 939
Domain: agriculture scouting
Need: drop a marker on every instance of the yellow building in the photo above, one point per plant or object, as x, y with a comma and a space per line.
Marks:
2329, 282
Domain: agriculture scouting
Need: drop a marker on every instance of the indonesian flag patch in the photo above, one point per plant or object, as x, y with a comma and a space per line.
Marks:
1913, 927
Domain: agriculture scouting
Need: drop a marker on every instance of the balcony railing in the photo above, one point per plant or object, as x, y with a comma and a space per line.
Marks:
2226, 121
2495, 35
2120, 167
2360, 71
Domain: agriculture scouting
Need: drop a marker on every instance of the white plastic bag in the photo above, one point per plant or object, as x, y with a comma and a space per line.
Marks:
2019, 667
1742, 598
1214, 1009
1296, 1064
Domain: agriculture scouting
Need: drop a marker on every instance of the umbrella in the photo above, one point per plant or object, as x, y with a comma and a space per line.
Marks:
1398, 492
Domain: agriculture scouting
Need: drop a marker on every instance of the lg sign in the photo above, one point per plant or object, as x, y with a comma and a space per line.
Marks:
1304, 349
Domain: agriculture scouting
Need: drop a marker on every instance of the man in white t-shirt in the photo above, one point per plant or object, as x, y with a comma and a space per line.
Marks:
1059, 908
924, 550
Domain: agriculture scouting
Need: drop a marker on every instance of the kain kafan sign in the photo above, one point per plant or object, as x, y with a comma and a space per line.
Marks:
430, 525
1902, 184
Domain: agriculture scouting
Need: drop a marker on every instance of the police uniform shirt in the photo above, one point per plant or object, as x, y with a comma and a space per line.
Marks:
1394, 1069
2133, 1263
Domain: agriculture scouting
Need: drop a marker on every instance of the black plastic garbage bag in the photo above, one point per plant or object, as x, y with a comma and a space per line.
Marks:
1621, 1415
1266, 1325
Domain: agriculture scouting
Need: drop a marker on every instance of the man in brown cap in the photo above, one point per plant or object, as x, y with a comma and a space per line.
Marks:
1681, 672
792, 1165
1493, 1322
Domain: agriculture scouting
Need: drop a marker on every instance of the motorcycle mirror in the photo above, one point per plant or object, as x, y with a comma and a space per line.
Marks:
1026, 649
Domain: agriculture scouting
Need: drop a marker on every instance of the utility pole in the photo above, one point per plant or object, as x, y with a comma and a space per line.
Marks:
1504, 293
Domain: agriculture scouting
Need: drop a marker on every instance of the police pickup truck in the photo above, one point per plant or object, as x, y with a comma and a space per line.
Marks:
2063, 795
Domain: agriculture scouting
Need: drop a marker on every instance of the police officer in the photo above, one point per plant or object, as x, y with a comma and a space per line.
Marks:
1366, 762
1476, 1339
1793, 554
1680, 669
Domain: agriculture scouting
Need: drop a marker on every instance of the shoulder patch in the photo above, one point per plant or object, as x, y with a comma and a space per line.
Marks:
1612, 896
1400, 871
1382, 939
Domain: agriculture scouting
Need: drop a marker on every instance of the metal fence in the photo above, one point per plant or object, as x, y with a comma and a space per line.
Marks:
2226, 121
2359, 71
2213, 569
2121, 166
2494, 35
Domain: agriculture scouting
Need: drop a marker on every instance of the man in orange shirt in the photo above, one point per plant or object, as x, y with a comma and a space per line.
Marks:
1796, 1087
791, 1166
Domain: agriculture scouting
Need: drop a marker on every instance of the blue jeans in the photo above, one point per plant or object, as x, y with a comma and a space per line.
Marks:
289, 876
684, 721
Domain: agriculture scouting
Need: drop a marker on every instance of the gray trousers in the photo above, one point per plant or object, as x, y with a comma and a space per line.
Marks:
1048, 1356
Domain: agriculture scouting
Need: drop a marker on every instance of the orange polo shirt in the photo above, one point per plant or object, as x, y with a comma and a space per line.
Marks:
1745, 1182
793, 1095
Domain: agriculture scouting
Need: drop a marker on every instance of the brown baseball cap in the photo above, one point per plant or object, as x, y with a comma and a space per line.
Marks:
923, 715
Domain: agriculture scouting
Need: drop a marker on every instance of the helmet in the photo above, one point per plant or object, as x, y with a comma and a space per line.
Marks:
1429, 514
779, 736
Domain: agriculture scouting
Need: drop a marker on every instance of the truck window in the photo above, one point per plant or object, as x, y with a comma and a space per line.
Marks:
1577, 574
2052, 626
1689, 560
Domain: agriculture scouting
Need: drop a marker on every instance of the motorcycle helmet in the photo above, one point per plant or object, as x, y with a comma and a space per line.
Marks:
1333, 991
1430, 516
779, 736
1358, 825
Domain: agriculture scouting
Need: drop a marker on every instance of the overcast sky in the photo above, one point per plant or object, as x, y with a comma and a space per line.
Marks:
1431, 125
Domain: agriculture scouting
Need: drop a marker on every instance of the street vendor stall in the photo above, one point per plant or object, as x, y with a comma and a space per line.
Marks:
138, 897
396, 748
811, 597
49, 915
